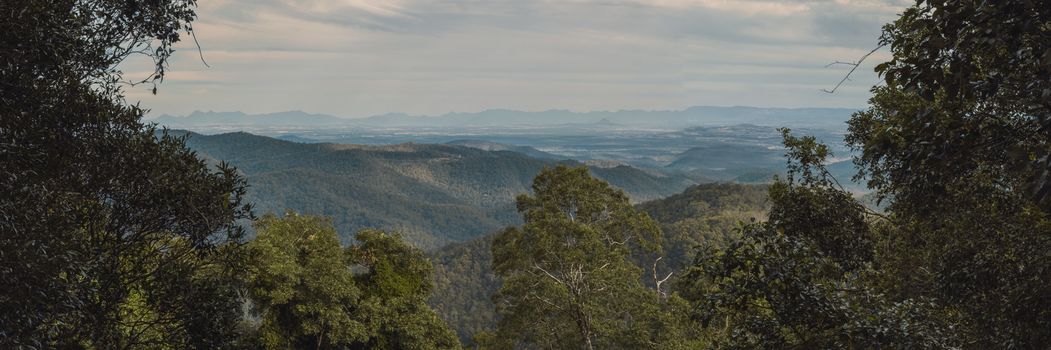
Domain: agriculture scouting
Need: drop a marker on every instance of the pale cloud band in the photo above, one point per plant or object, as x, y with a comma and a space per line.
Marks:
365, 57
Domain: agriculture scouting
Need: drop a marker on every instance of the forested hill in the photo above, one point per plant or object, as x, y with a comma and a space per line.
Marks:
434, 194
706, 214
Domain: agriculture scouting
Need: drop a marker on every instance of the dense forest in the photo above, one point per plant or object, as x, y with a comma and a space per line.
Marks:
703, 215
113, 235
433, 194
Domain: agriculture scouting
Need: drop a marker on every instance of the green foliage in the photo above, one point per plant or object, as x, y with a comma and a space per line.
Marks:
567, 278
957, 141
810, 203
799, 280
110, 235
395, 290
464, 286
707, 214
301, 285
703, 215
304, 289
966, 90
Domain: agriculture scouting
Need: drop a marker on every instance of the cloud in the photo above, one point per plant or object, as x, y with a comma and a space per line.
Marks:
364, 57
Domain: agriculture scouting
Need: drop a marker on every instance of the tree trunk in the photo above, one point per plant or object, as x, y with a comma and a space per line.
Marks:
585, 328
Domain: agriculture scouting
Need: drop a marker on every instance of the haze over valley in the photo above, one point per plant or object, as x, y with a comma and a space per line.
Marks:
433, 193
451, 178
659, 140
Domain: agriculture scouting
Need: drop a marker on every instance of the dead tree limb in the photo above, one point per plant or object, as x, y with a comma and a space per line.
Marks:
657, 281
854, 66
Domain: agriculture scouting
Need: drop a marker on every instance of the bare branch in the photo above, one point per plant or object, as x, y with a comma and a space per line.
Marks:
200, 52
599, 268
854, 66
840, 62
537, 266
657, 281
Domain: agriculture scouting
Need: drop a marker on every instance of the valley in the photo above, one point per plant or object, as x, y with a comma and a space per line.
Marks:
448, 190
433, 193
701, 143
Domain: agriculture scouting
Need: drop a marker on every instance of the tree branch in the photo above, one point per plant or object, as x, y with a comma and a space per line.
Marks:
200, 52
657, 281
854, 67
537, 266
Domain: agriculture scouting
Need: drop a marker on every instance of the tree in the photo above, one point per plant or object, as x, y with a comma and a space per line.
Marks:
103, 223
958, 142
395, 287
974, 77
568, 281
801, 279
301, 286
307, 295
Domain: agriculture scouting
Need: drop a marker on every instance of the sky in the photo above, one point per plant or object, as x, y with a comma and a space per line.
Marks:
357, 58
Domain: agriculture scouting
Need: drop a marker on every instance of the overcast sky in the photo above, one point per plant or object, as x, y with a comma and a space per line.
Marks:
357, 58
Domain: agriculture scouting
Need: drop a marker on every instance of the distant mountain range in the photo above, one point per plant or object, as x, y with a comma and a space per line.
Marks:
693, 116
433, 193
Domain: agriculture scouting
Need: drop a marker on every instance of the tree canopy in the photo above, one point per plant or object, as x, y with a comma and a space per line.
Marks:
104, 223
958, 141
310, 292
803, 279
956, 144
568, 281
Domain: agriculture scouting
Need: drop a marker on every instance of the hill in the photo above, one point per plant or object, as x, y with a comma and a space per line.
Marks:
747, 153
494, 146
435, 194
704, 214
726, 161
